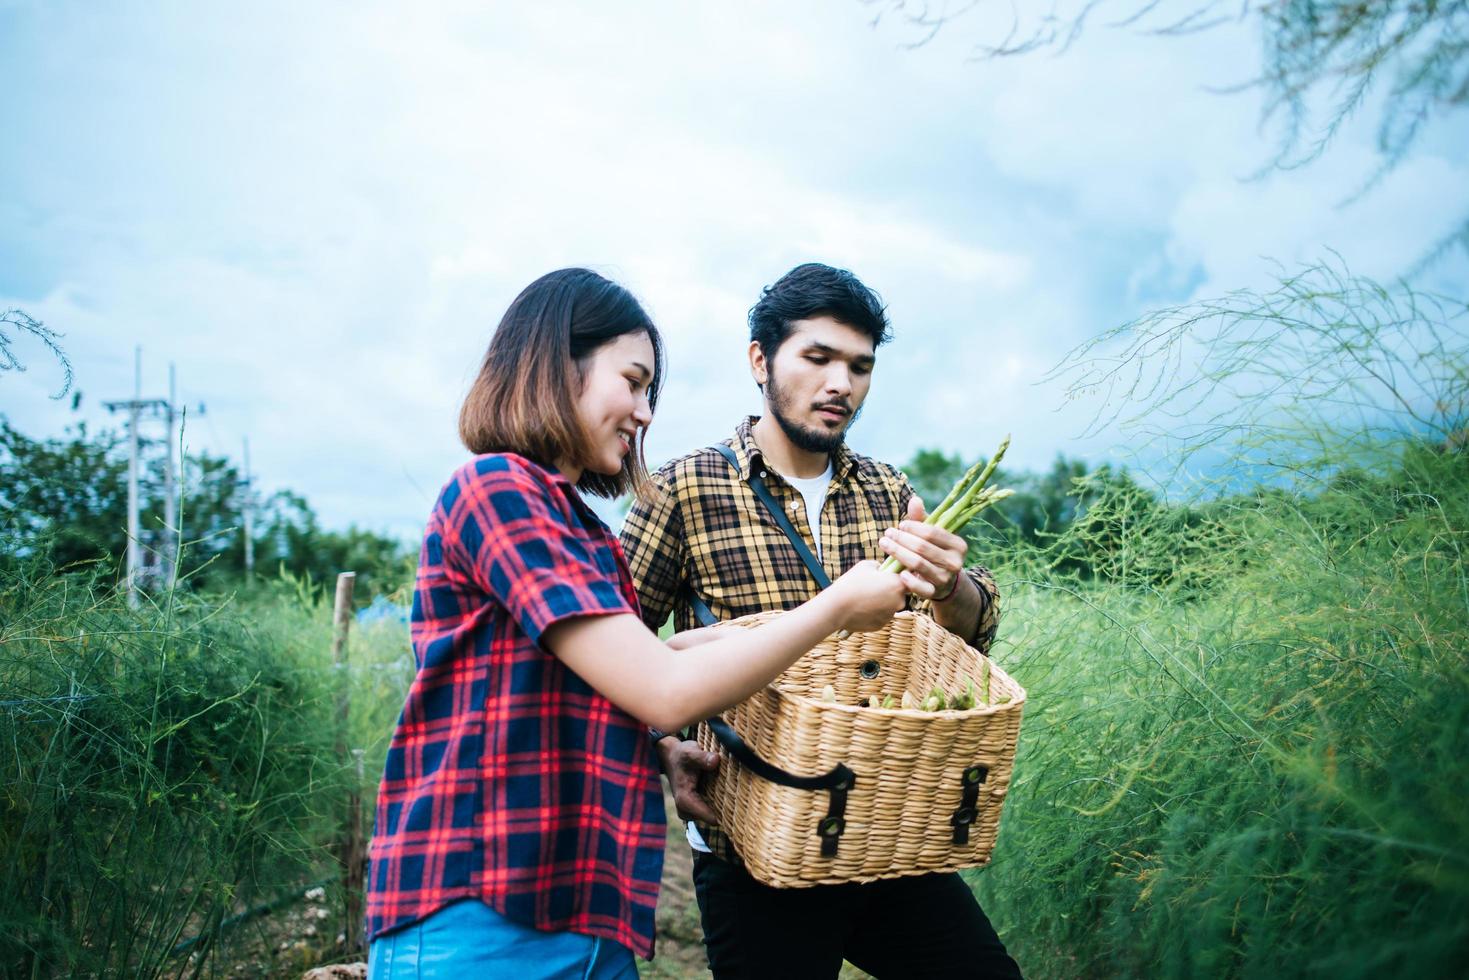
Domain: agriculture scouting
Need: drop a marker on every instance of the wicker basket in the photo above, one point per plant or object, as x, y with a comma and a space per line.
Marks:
868, 792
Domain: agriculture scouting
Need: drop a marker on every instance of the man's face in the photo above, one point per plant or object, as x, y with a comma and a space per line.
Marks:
816, 382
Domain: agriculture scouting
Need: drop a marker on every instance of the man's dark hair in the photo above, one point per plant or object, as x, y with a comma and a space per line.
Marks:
813, 290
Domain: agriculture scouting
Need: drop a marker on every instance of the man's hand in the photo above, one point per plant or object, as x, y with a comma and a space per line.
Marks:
684, 763
933, 555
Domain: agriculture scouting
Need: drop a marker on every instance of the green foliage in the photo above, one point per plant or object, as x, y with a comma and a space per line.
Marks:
17, 323
72, 491
1326, 369
169, 767
68, 498
1045, 504
1266, 782
292, 539
1125, 533
1247, 718
932, 473
1337, 50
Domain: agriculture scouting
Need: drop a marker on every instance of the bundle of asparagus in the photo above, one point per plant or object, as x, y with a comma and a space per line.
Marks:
965, 501
963, 504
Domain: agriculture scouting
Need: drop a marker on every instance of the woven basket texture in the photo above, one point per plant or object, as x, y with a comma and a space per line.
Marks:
909, 764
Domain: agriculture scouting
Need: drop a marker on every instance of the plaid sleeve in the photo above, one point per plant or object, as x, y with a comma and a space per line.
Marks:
989, 610
653, 541
984, 581
522, 544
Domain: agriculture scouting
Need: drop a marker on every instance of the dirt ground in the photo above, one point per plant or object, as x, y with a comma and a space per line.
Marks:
680, 950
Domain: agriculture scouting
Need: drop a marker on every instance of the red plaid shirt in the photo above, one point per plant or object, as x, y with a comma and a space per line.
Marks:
509, 779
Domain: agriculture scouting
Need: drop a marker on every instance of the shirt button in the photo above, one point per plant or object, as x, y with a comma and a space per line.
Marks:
795, 506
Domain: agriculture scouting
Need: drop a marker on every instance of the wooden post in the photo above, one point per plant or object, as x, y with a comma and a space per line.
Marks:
349, 844
356, 870
342, 620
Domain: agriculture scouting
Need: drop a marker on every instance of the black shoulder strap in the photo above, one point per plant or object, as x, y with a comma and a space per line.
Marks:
701, 609
757, 484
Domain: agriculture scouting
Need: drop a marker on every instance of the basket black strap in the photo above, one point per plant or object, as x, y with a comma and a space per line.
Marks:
968, 809
839, 781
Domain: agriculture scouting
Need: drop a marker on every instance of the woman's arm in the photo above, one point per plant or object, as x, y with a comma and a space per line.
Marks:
669, 689
692, 638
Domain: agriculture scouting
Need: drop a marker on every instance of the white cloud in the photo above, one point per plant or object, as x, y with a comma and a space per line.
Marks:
321, 212
1294, 217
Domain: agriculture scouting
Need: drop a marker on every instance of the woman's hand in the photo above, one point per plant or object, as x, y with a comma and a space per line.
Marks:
867, 598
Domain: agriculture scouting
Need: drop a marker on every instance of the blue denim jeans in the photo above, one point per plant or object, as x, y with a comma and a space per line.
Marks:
468, 939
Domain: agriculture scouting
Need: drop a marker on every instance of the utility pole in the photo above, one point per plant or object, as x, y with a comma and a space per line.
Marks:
247, 508
134, 554
171, 542
140, 409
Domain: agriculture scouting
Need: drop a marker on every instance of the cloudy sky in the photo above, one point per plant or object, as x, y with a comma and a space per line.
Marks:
319, 211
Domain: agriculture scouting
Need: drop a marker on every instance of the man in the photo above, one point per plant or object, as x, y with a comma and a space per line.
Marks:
703, 535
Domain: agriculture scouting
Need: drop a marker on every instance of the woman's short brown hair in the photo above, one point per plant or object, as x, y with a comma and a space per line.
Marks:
524, 399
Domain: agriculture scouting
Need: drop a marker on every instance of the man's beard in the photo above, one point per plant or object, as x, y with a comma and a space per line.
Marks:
804, 438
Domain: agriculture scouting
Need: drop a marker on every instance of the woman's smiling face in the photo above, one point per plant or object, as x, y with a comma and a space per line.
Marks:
613, 403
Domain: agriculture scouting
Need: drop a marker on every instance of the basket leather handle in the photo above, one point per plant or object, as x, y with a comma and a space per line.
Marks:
838, 781
839, 778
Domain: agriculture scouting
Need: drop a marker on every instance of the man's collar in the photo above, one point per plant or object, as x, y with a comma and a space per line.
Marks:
750, 457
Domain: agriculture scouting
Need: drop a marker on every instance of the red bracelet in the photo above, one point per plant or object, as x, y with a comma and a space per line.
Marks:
952, 589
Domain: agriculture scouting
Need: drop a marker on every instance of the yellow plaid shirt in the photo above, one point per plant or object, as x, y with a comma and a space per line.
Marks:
703, 528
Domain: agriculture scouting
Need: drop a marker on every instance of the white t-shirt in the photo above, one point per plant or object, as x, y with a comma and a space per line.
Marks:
813, 493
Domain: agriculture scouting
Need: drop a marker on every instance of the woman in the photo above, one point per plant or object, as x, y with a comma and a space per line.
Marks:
520, 820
